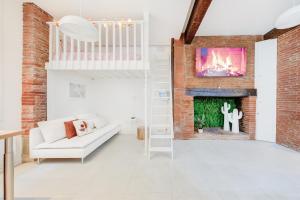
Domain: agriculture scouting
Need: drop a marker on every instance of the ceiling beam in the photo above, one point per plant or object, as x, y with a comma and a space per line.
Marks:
197, 14
275, 33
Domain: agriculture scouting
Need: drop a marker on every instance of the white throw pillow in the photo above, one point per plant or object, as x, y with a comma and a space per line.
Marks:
99, 122
83, 127
53, 130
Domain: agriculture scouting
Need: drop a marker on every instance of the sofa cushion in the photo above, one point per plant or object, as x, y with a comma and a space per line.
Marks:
83, 126
70, 129
53, 130
79, 142
99, 122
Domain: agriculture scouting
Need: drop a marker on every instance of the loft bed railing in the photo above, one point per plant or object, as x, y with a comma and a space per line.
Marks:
122, 45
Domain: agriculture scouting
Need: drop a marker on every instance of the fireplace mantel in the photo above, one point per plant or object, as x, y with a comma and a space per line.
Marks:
220, 92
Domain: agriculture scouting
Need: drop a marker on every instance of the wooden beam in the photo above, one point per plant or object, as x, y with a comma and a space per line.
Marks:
198, 12
275, 33
214, 92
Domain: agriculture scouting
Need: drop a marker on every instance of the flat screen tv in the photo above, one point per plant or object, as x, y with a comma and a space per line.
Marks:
213, 62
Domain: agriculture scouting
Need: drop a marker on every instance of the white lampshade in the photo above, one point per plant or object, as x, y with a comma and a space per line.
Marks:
78, 28
289, 18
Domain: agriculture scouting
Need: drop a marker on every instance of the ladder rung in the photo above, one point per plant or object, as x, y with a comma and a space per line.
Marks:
162, 82
160, 125
161, 90
161, 136
160, 69
160, 149
161, 106
161, 98
161, 115
161, 76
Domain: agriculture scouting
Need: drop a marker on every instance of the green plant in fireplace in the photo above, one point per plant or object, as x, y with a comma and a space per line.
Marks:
210, 109
200, 123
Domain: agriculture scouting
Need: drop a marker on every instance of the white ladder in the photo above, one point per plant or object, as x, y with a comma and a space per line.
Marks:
161, 126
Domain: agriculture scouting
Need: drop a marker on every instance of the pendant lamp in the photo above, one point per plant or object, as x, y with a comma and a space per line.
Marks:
289, 18
78, 27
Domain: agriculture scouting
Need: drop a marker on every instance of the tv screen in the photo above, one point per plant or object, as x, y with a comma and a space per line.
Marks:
220, 62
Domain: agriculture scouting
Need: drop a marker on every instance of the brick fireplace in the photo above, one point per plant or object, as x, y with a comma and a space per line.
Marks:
186, 84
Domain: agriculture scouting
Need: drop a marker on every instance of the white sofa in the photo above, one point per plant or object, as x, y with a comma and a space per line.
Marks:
76, 147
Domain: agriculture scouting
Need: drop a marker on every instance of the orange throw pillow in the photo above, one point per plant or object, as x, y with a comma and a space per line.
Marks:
70, 129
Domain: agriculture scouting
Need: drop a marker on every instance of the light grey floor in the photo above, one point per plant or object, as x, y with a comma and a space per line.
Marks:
208, 170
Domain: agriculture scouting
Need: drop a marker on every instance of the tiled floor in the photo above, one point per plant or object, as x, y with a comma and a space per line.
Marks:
208, 170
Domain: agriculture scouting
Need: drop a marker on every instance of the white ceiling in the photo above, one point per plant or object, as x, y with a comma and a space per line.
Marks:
166, 16
242, 17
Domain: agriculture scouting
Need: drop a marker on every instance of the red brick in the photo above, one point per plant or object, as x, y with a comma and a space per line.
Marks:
288, 90
35, 55
184, 65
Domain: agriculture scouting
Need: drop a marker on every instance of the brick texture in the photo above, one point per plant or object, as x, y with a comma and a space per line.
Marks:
288, 89
184, 70
34, 76
248, 106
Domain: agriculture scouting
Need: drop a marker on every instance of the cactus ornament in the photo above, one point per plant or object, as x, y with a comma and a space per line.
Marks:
225, 110
234, 118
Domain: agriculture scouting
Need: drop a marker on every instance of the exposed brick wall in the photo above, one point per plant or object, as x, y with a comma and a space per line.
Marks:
288, 90
184, 70
221, 41
183, 105
248, 123
34, 76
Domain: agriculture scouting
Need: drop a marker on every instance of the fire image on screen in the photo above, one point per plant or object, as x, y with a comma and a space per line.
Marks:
220, 62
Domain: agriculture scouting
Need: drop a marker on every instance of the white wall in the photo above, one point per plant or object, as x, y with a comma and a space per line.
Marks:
60, 104
116, 99
1, 59
11, 69
266, 84
120, 100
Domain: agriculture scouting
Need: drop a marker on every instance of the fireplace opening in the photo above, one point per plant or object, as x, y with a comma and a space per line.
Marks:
209, 118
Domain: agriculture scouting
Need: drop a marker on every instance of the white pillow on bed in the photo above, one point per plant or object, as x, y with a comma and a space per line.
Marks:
53, 130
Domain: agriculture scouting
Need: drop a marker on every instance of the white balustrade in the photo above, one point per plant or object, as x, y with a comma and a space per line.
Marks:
125, 46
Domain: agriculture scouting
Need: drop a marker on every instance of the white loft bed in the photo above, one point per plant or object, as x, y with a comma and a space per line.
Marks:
122, 45
121, 51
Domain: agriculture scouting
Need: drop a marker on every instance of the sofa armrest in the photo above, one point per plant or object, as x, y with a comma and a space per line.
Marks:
35, 138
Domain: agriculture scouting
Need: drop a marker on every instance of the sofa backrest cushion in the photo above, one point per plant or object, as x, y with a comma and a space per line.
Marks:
99, 122
53, 130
